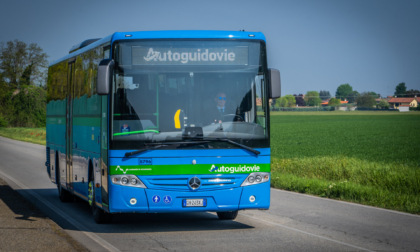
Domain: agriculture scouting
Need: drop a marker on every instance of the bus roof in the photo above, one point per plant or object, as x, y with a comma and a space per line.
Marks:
181, 34
188, 35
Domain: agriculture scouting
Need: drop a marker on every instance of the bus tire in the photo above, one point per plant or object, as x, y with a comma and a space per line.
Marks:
64, 195
99, 215
231, 215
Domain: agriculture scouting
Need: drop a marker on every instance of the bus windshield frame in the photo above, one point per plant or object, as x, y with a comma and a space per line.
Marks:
169, 92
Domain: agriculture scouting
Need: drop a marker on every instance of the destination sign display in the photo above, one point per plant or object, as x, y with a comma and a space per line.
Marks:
190, 56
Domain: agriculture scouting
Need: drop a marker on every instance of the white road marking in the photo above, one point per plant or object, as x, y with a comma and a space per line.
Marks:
306, 233
101, 242
346, 202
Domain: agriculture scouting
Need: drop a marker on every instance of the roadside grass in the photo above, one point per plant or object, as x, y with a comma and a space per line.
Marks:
364, 157
32, 135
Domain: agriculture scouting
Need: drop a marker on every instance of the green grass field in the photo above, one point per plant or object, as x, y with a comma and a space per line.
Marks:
365, 157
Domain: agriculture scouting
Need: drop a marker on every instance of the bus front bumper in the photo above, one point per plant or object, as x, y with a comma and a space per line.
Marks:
124, 199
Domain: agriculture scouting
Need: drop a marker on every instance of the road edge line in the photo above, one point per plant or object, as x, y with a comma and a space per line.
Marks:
106, 245
307, 233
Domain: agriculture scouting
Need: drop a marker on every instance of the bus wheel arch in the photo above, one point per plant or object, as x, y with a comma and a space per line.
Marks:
91, 182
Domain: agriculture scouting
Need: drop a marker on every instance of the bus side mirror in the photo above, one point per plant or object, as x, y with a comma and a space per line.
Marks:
275, 84
105, 71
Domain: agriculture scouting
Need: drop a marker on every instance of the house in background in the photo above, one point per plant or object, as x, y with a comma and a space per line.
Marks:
325, 102
397, 102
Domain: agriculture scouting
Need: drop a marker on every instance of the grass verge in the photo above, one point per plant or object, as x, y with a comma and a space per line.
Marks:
32, 135
377, 184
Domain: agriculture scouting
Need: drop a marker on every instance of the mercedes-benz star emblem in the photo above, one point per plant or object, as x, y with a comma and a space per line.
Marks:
194, 183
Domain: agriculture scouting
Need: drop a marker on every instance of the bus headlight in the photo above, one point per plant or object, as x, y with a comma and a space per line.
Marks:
133, 181
256, 178
124, 180
127, 180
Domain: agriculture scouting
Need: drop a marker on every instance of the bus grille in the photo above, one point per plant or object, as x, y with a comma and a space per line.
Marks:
180, 183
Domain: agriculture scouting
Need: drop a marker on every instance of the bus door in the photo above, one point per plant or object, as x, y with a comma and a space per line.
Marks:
104, 142
104, 152
69, 126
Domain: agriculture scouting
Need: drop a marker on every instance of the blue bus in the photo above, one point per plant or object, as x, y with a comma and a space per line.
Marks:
162, 121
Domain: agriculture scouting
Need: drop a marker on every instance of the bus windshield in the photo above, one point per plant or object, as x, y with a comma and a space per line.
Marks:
174, 91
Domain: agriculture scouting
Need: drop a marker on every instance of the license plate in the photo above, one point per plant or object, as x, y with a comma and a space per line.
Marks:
194, 202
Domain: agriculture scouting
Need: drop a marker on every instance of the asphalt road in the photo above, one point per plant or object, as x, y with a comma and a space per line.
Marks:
295, 222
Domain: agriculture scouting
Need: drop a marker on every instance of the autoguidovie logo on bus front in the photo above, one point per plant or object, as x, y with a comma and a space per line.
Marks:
204, 55
235, 169
233, 55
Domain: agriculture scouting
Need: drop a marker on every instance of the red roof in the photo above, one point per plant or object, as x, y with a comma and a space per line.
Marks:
402, 100
326, 102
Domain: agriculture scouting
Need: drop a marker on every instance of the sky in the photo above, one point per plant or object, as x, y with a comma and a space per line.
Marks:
373, 45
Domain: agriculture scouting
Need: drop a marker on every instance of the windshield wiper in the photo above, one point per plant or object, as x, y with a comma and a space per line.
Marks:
154, 146
240, 145
199, 140
128, 154
226, 140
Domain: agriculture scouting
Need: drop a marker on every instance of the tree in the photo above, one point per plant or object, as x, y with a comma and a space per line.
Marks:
286, 101
312, 98
352, 97
25, 107
343, 91
4, 90
26, 76
299, 100
412, 93
365, 100
383, 104
281, 102
400, 90
374, 95
273, 102
21, 64
22, 104
324, 95
334, 102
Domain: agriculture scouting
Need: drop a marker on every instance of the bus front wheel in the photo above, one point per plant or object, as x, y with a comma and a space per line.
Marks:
99, 215
231, 215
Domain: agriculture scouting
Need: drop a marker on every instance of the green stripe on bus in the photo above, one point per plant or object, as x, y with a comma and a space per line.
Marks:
188, 169
56, 120
87, 121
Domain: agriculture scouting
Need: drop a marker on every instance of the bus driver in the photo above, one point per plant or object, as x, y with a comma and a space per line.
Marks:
220, 109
